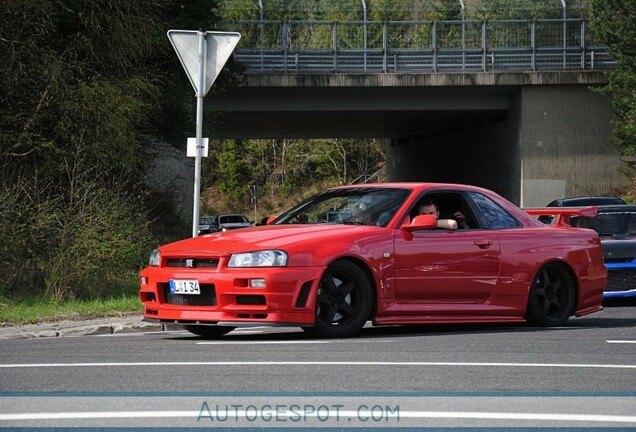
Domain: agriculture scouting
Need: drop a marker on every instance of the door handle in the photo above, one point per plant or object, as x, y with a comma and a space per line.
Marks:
483, 244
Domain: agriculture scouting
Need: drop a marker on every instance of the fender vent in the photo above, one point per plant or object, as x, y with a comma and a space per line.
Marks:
303, 295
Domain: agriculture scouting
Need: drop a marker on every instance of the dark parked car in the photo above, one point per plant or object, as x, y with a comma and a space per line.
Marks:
586, 201
232, 222
616, 226
206, 224
209, 224
581, 201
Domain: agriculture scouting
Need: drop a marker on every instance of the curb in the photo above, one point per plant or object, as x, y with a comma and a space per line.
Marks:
83, 328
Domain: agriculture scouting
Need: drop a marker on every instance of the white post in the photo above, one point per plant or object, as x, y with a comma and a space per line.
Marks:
260, 8
199, 136
463, 6
364, 11
565, 32
191, 48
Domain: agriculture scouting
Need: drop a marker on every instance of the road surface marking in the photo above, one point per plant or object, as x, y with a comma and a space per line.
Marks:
260, 342
343, 414
247, 329
321, 363
621, 341
278, 342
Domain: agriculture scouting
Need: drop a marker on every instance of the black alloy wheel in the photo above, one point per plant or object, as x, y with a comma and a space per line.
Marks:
344, 301
551, 299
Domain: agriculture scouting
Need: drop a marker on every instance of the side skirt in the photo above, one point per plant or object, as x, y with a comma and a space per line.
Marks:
445, 319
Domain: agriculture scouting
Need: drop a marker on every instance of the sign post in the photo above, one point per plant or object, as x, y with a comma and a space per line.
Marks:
253, 199
202, 55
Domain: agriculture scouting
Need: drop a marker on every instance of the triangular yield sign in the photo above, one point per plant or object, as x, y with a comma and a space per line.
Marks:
218, 48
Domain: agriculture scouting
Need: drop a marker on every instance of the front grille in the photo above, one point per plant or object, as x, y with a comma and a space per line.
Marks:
621, 280
206, 298
193, 262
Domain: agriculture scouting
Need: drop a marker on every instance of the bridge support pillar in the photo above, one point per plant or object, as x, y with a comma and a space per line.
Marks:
553, 142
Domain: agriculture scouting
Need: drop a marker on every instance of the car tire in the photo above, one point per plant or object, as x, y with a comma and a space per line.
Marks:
551, 299
207, 331
344, 301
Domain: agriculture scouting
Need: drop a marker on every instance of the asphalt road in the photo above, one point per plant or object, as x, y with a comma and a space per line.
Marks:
582, 374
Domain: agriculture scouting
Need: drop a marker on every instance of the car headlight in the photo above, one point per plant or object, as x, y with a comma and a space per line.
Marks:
155, 258
264, 258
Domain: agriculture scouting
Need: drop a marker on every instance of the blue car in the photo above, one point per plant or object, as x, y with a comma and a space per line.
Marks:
616, 226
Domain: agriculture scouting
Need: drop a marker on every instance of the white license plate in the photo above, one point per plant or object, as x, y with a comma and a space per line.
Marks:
184, 286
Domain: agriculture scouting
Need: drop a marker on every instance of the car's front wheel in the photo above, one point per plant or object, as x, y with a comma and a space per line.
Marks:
344, 301
551, 298
208, 332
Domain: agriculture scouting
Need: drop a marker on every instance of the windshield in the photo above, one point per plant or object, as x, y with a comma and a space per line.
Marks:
206, 220
612, 223
233, 219
355, 205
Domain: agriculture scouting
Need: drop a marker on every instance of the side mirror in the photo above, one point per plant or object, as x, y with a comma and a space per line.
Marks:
271, 219
421, 222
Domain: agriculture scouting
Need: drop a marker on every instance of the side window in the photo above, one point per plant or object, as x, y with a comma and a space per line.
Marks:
449, 205
495, 216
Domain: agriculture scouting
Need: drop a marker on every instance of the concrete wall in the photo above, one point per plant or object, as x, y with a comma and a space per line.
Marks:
374, 105
566, 147
484, 153
553, 142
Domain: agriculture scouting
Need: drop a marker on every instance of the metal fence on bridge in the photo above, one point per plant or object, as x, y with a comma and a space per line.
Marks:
418, 46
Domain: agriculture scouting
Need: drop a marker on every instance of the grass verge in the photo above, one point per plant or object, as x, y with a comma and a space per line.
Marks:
38, 310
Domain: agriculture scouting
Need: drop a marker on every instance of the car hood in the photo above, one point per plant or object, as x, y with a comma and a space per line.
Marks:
285, 237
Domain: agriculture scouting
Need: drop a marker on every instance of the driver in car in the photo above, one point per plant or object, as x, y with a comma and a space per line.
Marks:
360, 215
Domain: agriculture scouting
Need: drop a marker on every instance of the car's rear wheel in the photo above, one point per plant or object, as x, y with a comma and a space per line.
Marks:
344, 301
551, 298
209, 332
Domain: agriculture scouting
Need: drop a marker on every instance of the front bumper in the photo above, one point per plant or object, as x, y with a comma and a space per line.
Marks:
621, 280
227, 298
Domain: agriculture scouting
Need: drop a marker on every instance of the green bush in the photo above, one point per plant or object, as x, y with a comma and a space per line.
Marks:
78, 242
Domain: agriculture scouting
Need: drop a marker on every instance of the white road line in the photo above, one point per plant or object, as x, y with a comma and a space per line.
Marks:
323, 363
621, 341
298, 342
342, 414
136, 334
250, 328
260, 342
243, 333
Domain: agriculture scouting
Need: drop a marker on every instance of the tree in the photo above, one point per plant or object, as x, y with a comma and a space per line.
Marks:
86, 84
614, 24
521, 9
233, 169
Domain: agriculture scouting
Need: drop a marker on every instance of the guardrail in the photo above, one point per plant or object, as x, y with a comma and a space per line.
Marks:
418, 46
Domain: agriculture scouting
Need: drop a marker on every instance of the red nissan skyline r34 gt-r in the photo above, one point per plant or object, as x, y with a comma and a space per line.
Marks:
363, 252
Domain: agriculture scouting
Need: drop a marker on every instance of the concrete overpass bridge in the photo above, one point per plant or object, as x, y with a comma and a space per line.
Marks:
507, 105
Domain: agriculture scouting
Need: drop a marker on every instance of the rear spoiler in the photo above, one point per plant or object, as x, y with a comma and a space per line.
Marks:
562, 213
